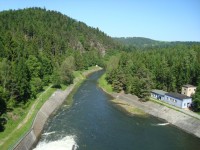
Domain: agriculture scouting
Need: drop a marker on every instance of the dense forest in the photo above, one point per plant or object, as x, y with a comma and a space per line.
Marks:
138, 42
38, 47
168, 68
145, 43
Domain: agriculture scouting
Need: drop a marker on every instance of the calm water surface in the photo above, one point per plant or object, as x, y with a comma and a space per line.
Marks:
92, 123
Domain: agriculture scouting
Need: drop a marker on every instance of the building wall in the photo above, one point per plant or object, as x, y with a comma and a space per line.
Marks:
173, 101
177, 102
157, 96
185, 103
188, 91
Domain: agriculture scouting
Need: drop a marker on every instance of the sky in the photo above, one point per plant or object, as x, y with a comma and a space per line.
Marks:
164, 20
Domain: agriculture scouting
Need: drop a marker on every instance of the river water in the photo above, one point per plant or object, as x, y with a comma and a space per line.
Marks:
92, 123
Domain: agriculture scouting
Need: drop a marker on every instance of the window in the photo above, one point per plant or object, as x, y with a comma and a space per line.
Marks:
184, 104
194, 89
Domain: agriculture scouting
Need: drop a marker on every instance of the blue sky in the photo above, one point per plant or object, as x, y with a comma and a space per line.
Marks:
166, 20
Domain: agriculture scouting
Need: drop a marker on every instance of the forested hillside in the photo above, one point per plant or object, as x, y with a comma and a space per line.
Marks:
138, 42
169, 68
38, 47
146, 43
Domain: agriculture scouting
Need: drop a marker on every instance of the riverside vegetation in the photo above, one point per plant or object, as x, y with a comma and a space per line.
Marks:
122, 105
39, 48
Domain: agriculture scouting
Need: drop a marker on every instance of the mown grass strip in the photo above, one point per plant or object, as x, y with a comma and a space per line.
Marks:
171, 107
11, 135
104, 84
19, 133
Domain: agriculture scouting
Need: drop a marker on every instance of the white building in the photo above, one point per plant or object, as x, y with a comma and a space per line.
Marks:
188, 90
175, 99
178, 100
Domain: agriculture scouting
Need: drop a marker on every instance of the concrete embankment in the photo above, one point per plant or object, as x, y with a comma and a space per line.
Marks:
184, 121
53, 103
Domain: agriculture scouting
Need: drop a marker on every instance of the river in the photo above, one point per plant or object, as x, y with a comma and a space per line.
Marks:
92, 123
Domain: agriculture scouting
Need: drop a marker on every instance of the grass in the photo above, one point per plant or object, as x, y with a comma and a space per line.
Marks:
69, 100
22, 113
171, 107
79, 78
78, 74
130, 109
11, 134
123, 106
164, 104
63, 87
104, 84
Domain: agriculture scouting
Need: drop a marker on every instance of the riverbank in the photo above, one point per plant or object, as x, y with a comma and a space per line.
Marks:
54, 102
127, 108
118, 103
184, 121
20, 119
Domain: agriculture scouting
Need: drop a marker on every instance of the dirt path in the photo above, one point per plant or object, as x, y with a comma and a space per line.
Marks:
28, 116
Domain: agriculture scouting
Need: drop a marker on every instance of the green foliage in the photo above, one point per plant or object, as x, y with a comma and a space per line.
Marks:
38, 47
34, 66
3, 107
166, 68
36, 86
19, 86
66, 72
4, 73
196, 99
55, 78
133, 43
79, 63
104, 84
112, 63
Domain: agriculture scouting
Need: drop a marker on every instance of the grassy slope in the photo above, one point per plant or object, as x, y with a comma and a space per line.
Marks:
14, 131
104, 84
11, 134
122, 105
130, 109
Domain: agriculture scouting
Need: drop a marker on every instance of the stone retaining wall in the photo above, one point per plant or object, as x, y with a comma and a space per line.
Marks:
54, 102
179, 119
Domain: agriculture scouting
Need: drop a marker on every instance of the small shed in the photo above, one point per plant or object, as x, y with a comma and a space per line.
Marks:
178, 100
158, 94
